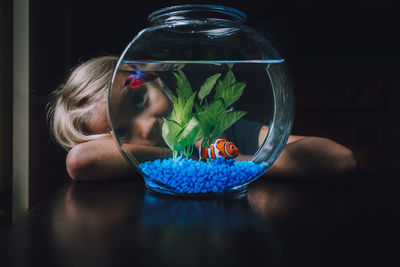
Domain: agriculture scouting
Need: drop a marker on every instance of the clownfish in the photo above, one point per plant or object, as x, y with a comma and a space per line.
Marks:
221, 148
138, 78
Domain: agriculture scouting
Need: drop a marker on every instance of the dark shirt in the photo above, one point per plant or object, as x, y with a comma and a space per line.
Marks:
244, 134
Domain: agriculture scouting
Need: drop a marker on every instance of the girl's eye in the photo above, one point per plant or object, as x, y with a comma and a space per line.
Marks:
139, 99
121, 133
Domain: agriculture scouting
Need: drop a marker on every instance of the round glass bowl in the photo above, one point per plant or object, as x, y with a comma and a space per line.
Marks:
199, 103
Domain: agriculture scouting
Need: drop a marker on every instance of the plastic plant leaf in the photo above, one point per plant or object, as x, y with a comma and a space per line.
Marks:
213, 112
209, 119
191, 133
170, 131
229, 78
177, 112
208, 85
184, 127
184, 89
205, 125
230, 118
182, 111
228, 81
217, 108
198, 108
232, 94
187, 109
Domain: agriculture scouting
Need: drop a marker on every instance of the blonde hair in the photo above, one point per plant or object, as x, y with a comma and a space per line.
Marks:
72, 104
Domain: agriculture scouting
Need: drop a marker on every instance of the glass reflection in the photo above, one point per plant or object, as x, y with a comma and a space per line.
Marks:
206, 231
216, 214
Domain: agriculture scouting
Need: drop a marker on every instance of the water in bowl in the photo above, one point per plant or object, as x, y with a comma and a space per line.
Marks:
205, 100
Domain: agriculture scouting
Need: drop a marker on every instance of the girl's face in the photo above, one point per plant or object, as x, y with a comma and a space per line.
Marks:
139, 111
149, 105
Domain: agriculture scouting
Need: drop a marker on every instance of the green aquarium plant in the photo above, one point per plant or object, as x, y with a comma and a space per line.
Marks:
191, 121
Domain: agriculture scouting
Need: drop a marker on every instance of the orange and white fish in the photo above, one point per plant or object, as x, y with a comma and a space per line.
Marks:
221, 148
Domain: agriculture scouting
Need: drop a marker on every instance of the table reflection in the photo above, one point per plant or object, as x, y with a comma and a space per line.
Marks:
89, 222
105, 223
95, 222
279, 223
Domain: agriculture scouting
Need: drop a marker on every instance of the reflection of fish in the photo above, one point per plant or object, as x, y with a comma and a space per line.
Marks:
138, 78
220, 148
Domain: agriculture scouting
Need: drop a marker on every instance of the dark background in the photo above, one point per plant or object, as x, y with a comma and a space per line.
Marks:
343, 56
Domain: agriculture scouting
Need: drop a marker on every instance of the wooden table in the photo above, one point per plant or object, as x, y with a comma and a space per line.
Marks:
340, 221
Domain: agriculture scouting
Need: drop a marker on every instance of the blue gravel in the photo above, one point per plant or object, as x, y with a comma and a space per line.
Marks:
190, 176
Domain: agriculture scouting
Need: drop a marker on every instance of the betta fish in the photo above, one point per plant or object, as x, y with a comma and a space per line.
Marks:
221, 148
138, 78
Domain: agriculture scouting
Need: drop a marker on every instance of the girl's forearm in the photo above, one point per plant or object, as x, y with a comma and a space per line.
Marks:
313, 156
101, 160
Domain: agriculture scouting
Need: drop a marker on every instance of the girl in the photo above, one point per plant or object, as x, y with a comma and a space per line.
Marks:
79, 122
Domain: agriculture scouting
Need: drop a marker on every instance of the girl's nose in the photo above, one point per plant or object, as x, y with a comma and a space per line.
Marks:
150, 128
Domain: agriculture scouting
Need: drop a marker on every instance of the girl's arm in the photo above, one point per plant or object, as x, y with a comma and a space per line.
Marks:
302, 156
310, 156
101, 160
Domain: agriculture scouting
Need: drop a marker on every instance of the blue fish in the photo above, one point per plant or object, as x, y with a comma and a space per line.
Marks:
138, 78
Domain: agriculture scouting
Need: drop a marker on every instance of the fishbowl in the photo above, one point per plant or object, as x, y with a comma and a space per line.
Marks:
199, 103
